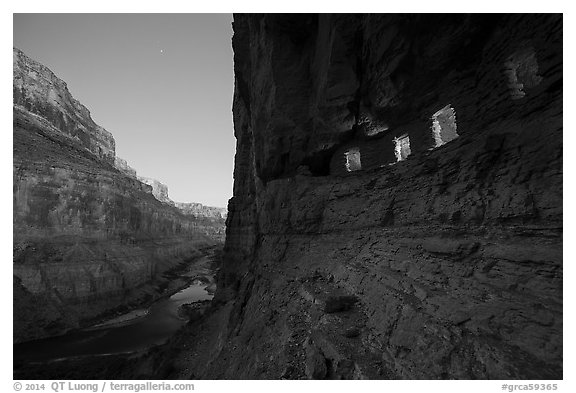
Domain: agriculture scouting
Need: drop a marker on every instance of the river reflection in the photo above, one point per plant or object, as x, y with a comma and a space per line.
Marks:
155, 328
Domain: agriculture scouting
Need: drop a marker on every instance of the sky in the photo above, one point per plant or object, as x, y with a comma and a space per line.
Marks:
162, 84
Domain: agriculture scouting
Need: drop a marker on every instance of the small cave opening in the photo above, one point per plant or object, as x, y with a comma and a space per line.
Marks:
402, 147
444, 127
318, 163
353, 162
522, 71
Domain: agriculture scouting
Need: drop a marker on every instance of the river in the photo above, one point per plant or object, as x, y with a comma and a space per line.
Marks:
154, 327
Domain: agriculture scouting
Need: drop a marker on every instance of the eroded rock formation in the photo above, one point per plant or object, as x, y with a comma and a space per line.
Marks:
451, 258
123, 166
159, 190
87, 236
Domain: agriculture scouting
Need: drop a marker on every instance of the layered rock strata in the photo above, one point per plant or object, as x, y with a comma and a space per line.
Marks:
448, 249
39, 91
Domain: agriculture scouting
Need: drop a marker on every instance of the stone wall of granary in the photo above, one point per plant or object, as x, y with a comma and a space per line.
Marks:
447, 264
479, 93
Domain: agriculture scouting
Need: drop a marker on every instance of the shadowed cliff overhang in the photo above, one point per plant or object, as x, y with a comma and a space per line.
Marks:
323, 83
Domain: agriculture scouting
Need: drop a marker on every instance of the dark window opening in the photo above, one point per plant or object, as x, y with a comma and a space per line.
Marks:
522, 71
318, 163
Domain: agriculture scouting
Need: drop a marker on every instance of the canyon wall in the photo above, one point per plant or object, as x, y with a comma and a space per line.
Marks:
38, 90
88, 237
123, 166
159, 190
200, 210
397, 208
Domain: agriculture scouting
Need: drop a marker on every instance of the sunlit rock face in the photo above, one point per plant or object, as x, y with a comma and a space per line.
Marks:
159, 190
122, 165
88, 237
452, 256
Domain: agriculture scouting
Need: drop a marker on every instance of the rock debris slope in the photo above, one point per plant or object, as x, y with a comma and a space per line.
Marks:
88, 235
397, 208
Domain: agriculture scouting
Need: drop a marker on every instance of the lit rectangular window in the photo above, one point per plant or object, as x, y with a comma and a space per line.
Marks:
402, 147
444, 126
353, 160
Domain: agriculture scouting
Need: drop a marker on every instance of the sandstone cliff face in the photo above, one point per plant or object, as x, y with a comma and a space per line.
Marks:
87, 236
342, 262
